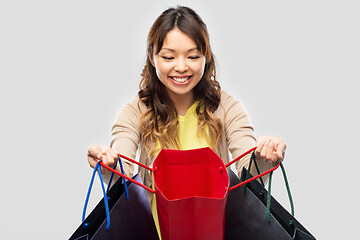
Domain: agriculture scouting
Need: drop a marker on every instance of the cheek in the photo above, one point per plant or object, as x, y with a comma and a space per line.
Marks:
199, 68
162, 69
158, 70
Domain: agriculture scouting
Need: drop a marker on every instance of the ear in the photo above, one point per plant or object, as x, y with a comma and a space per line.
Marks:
151, 56
151, 60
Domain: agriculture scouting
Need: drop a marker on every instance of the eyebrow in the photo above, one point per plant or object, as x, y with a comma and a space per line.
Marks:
172, 50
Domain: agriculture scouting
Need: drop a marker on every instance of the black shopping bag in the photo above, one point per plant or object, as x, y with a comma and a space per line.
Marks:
247, 215
130, 218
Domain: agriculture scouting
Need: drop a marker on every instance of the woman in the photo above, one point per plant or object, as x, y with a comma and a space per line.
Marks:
180, 104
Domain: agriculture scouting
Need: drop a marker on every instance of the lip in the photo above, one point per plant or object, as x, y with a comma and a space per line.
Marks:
179, 83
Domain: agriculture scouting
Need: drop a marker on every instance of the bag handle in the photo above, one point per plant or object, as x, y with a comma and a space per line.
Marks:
241, 156
256, 177
111, 178
124, 180
126, 177
152, 170
257, 168
268, 202
252, 159
97, 168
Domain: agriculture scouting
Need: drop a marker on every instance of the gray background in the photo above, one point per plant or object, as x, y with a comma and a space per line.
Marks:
67, 67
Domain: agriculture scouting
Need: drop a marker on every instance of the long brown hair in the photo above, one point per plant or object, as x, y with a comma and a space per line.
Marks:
159, 121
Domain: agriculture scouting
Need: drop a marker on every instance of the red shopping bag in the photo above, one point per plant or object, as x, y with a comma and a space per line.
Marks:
191, 191
191, 188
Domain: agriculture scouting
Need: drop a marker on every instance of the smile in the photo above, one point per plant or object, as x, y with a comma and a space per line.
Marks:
181, 80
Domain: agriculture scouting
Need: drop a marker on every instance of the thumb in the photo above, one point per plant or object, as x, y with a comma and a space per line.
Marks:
281, 151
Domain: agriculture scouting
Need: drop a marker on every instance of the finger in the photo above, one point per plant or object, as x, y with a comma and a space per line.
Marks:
104, 160
103, 170
115, 154
110, 158
262, 140
280, 150
92, 161
94, 150
270, 152
260, 145
264, 150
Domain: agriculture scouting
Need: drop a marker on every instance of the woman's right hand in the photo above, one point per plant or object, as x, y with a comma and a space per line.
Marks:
98, 152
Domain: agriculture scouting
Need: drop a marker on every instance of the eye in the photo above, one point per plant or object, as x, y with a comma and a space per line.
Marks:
167, 58
194, 57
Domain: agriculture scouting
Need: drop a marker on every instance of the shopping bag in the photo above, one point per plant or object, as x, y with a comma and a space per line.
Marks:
191, 189
129, 213
191, 194
252, 213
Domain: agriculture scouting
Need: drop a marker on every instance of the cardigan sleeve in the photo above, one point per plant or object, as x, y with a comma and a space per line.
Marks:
238, 129
240, 134
126, 134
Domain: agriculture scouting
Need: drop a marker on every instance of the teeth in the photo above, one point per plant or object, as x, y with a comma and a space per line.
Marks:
181, 80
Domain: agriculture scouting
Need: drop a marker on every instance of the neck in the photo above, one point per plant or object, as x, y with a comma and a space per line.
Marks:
182, 102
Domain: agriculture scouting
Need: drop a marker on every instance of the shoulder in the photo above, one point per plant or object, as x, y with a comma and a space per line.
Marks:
131, 110
134, 105
225, 97
229, 107
227, 102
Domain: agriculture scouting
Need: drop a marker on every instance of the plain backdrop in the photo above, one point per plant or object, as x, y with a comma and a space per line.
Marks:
67, 67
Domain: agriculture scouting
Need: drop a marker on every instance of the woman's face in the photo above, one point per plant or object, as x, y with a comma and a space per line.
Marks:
179, 64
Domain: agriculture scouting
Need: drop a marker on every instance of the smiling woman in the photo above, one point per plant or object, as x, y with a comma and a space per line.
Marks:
180, 104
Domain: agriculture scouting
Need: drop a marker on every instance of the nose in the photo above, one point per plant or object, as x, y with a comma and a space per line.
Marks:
181, 66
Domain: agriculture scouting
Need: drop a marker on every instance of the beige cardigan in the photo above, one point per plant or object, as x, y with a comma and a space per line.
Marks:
237, 137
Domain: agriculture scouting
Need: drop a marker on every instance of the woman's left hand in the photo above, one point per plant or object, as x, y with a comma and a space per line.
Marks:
270, 149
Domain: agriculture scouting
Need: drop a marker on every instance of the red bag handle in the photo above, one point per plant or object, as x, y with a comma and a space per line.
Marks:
241, 156
255, 177
126, 177
150, 169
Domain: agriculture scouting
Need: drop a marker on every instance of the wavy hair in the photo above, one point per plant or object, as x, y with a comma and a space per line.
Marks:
159, 122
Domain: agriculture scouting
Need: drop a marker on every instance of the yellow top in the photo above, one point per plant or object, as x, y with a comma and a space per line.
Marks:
189, 139
188, 130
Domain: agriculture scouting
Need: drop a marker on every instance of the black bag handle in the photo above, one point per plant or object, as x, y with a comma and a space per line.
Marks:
268, 203
247, 175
